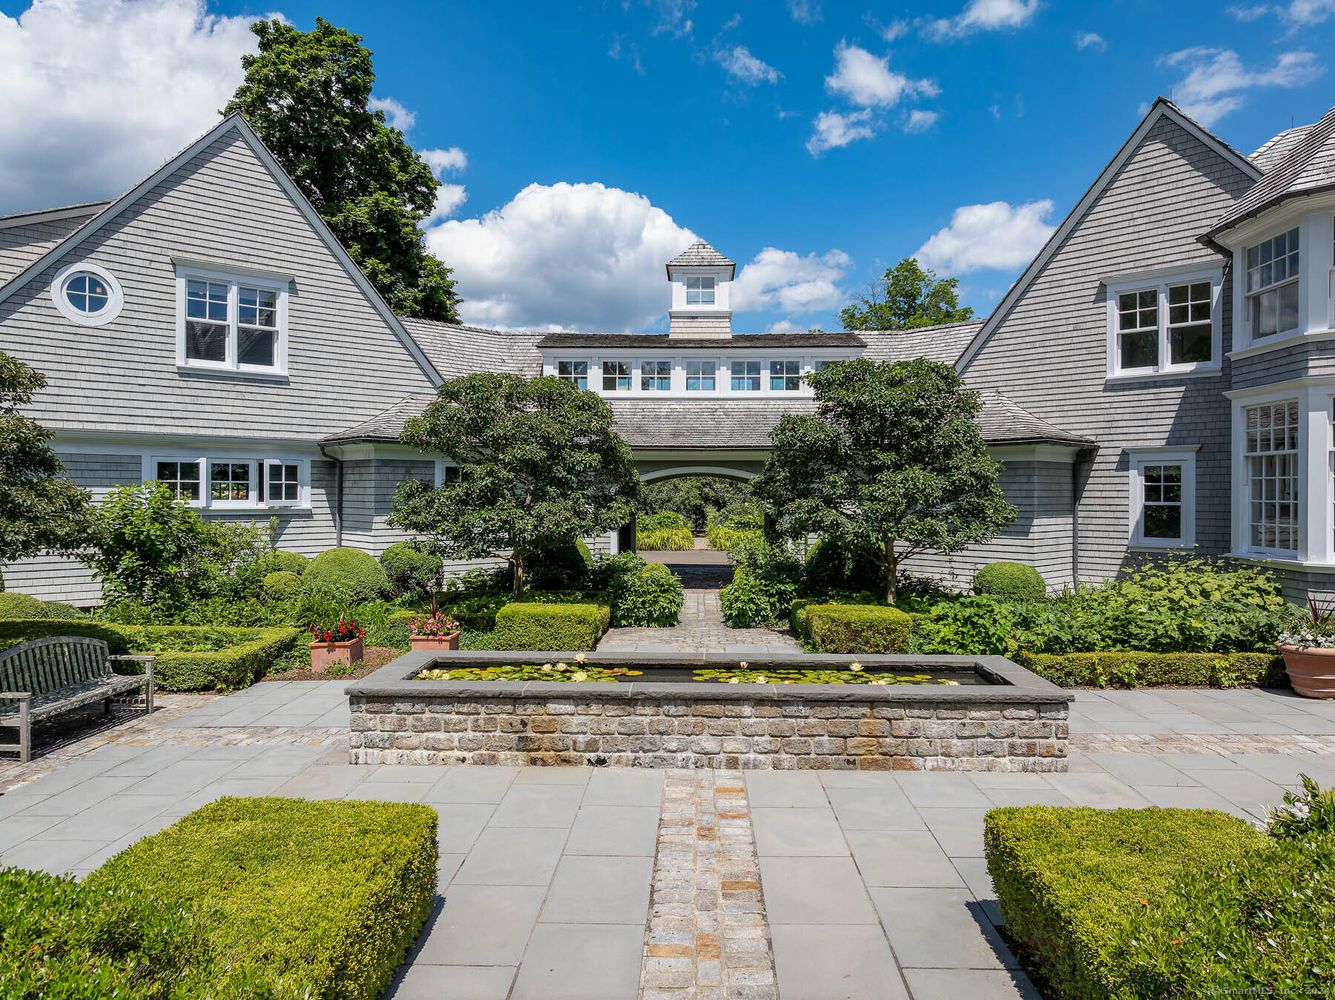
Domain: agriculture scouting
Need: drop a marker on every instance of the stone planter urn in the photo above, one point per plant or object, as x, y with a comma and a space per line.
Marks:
434, 643
1311, 670
324, 654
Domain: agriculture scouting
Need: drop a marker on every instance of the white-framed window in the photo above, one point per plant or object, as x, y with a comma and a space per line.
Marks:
87, 294
616, 376
231, 483
745, 376
181, 477
785, 376
226, 482
1272, 287
1168, 325
1270, 455
655, 376
282, 483
700, 290
231, 322
1163, 499
574, 371
701, 376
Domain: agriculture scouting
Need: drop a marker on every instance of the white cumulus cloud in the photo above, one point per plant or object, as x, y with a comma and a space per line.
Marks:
868, 81
920, 121
984, 15
804, 11
994, 236
396, 115
1298, 13
97, 93
442, 160
833, 129
791, 282
1216, 80
1090, 40
741, 64
449, 196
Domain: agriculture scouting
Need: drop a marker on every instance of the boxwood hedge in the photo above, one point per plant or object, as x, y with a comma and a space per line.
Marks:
541, 626
292, 898
1219, 670
854, 628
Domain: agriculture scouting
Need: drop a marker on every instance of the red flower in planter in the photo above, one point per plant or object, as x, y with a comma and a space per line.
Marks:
346, 632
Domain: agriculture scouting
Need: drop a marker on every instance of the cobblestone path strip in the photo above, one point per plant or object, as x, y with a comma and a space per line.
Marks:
699, 629
1224, 744
707, 937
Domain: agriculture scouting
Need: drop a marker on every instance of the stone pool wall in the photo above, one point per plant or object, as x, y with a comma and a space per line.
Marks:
1018, 724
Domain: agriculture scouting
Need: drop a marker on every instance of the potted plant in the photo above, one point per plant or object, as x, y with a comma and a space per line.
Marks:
434, 632
1308, 645
341, 644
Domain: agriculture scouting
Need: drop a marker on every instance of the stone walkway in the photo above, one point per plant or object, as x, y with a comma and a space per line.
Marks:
596, 883
700, 629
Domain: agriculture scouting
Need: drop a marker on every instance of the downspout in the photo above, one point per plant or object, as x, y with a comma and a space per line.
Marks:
336, 508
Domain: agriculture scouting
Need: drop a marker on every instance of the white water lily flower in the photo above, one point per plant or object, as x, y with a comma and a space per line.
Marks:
880, 680
579, 675
546, 666
856, 666
760, 678
579, 657
733, 680
743, 664
952, 683
563, 666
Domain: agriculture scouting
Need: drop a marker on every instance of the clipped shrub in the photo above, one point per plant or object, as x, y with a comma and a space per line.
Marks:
351, 572
281, 585
663, 520
191, 658
556, 627
15, 605
565, 565
412, 571
651, 598
67, 612
1121, 669
292, 898
1011, 581
280, 560
64, 939
833, 565
858, 628
21, 630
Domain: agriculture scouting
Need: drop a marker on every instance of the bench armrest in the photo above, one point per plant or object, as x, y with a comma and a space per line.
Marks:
149, 683
21, 699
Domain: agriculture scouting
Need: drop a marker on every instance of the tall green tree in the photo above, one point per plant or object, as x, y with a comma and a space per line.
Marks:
40, 510
905, 297
307, 94
539, 465
892, 462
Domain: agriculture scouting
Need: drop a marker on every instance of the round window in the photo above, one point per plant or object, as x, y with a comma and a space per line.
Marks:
87, 294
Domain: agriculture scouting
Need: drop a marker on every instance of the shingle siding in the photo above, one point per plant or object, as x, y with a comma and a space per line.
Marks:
1299, 361
21, 245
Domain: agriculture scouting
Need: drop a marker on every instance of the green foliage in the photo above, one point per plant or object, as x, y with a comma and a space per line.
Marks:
348, 571
857, 628
697, 498
892, 462
972, 626
16, 605
413, 570
651, 598
725, 538
18, 630
763, 586
854, 674
557, 627
748, 602
281, 585
293, 898
40, 510
1303, 815
666, 531
563, 564
1120, 669
76, 942
221, 659
1011, 581
279, 560
1070, 881
735, 524
833, 566
539, 463
307, 94
663, 520
553, 673
906, 297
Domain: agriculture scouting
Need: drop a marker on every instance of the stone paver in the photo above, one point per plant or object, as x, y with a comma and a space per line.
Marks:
700, 629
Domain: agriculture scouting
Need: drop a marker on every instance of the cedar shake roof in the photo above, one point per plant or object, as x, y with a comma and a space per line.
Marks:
1275, 149
701, 254
745, 341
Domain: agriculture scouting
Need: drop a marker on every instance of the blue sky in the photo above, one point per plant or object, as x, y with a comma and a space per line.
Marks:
813, 142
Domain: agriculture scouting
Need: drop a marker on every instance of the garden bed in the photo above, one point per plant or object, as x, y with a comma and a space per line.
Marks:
1004, 718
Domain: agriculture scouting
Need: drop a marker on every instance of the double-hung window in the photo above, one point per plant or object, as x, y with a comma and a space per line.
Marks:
576, 372
1163, 499
1270, 453
226, 482
231, 483
616, 376
745, 376
700, 290
182, 478
656, 376
1272, 285
785, 376
231, 323
701, 376
1165, 327
282, 483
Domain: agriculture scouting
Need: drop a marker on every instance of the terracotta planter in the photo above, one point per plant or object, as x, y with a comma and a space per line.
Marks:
428, 643
1311, 670
323, 654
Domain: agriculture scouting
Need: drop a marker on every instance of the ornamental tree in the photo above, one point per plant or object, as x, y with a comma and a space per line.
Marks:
539, 465
907, 296
891, 461
40, 510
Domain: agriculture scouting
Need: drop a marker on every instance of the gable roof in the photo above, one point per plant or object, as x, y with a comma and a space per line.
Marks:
701, 254
455, 349
1274, 149
1307, 167
229, 124
1162, 108
942, 343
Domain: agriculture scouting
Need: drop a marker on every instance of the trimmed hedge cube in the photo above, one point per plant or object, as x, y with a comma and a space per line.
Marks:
557, 627
856, 628
309, 899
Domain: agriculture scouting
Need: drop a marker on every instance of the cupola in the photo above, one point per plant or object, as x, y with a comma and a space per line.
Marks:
700, 278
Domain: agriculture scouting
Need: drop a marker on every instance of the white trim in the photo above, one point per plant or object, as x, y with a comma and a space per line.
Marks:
1065, 454
697, 470
1137, 459
234, 281
115, 295
202, 265
53, 215
1277, 390
1281, 341
1167, 278
256, 457
1161, 109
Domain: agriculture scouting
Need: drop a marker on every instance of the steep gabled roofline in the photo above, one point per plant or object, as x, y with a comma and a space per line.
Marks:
239, 124
81, 211
1162, 108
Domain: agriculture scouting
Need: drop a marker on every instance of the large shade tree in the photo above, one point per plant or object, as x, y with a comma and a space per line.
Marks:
539, 465
906, 297
307, 94
40, 509
892, 462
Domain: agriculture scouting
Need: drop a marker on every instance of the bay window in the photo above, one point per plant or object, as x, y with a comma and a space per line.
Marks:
1272, 285
231, 323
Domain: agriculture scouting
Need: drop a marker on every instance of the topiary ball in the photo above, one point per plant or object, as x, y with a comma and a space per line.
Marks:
351, 572
1010, 581
288, 562
14, 605
411, 571
281, 585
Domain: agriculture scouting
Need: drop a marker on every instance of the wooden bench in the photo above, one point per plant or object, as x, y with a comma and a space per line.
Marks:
47, 677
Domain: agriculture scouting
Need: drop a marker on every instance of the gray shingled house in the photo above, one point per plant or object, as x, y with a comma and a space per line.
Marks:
1161, 378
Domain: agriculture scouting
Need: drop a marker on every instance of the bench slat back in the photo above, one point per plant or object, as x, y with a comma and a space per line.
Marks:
43, 666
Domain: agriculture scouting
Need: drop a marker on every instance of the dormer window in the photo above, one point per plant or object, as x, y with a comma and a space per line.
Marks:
700, 290
1272, 285
232, 323
1164, 326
